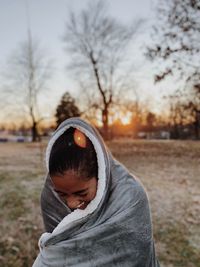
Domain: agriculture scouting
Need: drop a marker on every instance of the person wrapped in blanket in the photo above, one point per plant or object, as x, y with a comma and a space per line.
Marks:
95, 212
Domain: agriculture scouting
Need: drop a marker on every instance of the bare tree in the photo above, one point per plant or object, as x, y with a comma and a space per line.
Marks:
177, 115
184, 113
193, 103
97, 43
27, 75
176, 46
176, 36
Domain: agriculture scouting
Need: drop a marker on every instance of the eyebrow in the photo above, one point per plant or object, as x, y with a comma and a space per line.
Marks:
77, 192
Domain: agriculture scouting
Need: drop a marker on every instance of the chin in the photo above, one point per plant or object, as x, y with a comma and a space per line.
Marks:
83, 207
80, 208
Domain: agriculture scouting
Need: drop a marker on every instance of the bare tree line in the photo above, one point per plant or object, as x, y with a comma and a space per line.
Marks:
98, 48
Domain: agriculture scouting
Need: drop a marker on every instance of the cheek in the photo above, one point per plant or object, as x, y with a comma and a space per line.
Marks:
93, 192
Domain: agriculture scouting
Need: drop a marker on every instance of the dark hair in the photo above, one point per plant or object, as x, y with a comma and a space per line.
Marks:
66, 154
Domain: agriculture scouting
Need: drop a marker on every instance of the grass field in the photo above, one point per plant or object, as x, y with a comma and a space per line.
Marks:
169, 170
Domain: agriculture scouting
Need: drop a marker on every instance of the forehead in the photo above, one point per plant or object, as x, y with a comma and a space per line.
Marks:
69, 182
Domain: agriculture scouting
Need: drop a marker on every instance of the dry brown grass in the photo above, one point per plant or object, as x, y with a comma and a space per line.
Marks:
169, 170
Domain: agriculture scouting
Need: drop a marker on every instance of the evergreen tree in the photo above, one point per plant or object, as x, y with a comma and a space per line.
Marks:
67, 108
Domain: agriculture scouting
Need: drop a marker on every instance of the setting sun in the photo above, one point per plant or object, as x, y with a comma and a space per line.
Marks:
125, 120
125, 117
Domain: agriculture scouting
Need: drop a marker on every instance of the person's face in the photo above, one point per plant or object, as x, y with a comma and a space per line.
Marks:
76, 192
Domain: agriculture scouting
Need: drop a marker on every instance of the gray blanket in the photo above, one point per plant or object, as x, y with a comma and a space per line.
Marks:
114, 230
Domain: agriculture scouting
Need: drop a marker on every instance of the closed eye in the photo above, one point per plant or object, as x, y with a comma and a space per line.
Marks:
62, 194
81, 194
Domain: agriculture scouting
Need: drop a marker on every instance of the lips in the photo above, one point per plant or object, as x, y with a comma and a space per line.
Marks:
82, 205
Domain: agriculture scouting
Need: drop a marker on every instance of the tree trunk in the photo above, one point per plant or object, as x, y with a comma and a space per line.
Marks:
197, 125
105, 122
106, 102
34, 132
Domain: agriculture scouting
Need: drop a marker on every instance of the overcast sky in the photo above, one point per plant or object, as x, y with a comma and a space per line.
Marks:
47, 23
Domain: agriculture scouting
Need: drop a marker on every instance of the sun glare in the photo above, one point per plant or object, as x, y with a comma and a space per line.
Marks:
125, 120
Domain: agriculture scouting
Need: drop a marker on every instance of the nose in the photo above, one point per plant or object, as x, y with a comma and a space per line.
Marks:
73, 202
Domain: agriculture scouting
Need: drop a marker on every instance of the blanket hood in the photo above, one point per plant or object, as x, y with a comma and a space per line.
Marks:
51, 203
